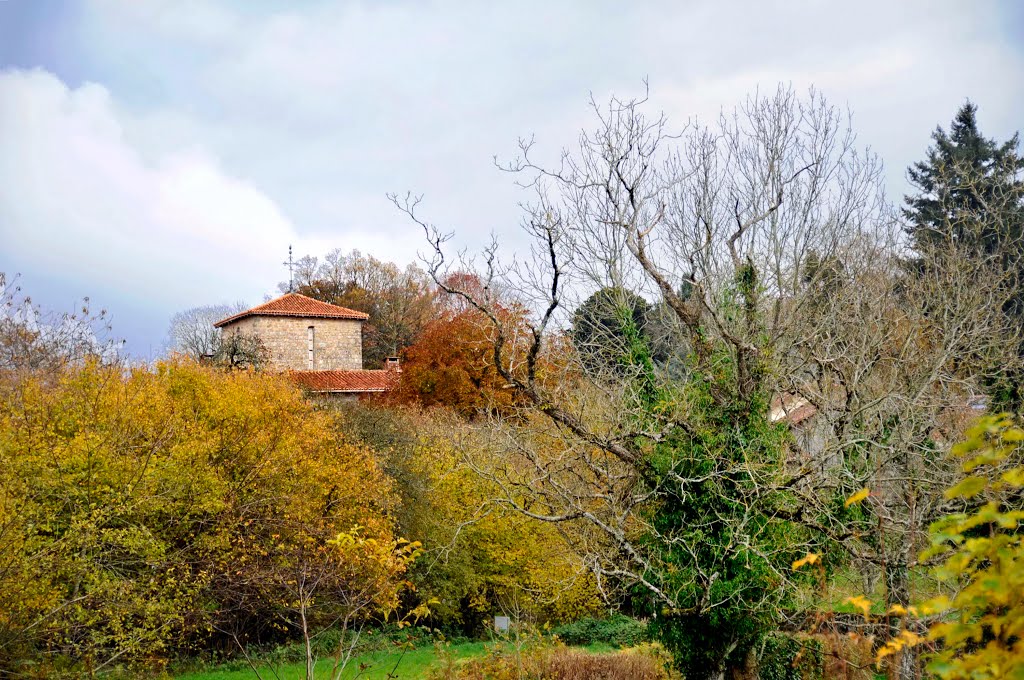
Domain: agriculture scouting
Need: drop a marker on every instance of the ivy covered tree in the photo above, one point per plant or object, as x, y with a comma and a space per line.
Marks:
670, 483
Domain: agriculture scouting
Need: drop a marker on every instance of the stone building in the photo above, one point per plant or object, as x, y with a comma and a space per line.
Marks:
319, 344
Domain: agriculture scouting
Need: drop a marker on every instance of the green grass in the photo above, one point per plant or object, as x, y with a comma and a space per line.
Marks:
413, 663
847, 583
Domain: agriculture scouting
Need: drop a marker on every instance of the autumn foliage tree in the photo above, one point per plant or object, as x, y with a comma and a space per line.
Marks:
980, 554
146, 513
451, 364
478, 557
399, 301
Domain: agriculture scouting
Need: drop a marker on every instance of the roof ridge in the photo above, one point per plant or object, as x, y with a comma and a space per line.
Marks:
308, 297
307, 307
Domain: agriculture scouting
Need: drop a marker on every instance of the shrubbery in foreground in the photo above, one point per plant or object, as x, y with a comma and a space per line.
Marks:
149, 513
540, 660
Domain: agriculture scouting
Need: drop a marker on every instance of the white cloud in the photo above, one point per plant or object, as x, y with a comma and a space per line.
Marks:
79, 202
224, 130
334, 103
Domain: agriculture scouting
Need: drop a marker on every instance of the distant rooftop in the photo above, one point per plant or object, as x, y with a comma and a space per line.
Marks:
346, 381
294, 304
791, 409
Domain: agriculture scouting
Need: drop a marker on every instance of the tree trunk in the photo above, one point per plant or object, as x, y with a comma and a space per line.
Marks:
869, 574
718, 672
310, 661
897, 577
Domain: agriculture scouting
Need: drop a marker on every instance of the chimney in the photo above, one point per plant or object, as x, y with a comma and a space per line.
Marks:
392, 364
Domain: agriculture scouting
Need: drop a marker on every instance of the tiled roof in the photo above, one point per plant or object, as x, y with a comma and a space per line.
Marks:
294, 304
792, 409
346, 381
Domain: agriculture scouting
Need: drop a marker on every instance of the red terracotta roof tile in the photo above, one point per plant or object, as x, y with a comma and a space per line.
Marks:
799, 415
294, 304
791, 409
346, 381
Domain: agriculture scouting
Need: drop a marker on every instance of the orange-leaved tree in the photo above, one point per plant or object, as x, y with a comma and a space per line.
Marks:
452, 363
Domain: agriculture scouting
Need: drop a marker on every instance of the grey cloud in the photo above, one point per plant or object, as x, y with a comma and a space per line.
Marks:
315, 112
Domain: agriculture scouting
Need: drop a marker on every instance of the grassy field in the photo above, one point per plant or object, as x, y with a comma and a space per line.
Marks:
411, 664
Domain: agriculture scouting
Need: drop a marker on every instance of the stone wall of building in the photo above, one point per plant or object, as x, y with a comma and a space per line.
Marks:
337, 343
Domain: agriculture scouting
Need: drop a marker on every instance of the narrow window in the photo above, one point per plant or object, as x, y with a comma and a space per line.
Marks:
311, 359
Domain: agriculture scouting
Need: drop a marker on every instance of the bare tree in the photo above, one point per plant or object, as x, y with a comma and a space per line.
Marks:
192, 332
894, 363
34, 339
769, 239
399, 301
243, 351
718, 224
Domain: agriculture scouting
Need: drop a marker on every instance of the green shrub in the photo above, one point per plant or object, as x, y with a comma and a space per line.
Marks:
784, 657
617, 631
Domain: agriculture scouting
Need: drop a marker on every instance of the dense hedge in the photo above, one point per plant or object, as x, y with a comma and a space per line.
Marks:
616, 630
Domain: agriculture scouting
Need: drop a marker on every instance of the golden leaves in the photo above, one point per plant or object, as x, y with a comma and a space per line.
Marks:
235, 475
810, 558
967, 488
905, 639
860, 602
900, 610
857, 497
1014, 477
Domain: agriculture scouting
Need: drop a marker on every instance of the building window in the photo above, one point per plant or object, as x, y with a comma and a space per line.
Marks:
311, 342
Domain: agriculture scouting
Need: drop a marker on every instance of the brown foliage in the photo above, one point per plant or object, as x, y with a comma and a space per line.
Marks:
452, 365
399, 301
648, 662
847, 657
844, 657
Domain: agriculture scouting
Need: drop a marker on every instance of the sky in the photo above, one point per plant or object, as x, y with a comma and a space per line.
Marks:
157, 155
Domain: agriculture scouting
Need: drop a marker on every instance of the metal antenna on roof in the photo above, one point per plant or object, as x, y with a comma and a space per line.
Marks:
291, 267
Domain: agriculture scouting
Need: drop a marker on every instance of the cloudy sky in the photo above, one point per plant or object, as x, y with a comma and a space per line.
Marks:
161, 154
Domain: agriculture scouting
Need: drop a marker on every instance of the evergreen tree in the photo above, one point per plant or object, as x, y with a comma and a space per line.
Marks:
969, 189
602, 330
970, 197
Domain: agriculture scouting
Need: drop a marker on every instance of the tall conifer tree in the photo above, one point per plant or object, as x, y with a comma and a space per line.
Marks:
970, 195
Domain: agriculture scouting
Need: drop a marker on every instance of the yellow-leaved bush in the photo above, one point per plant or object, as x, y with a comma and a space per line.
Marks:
480, 558
981, 635
155, 511
489, 559
977, 631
